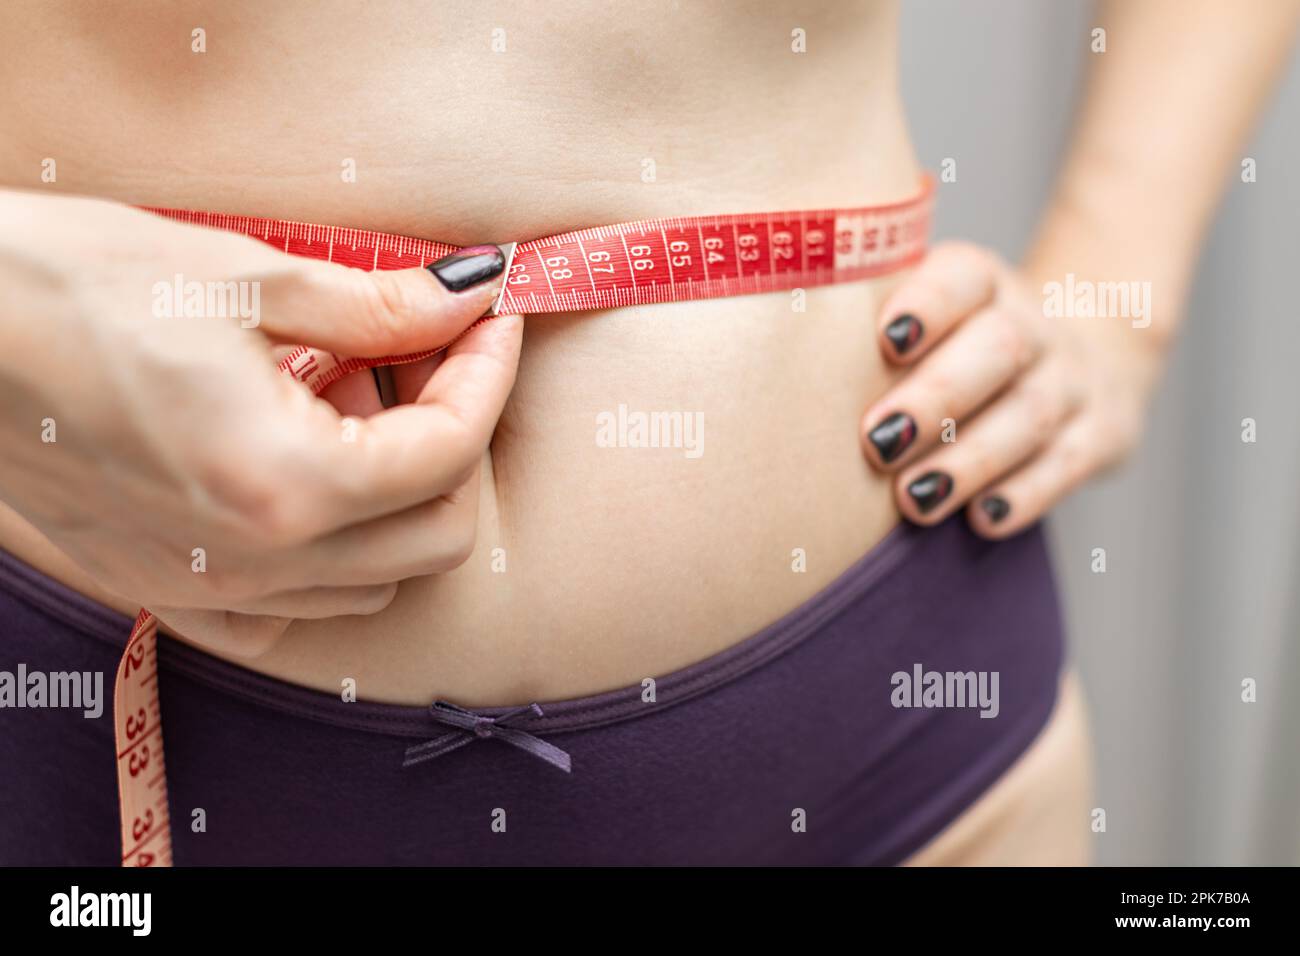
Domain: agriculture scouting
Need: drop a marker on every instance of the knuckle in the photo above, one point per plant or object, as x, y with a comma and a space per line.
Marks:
378, 309
984, 461
237, 474
283, 522
263, 510
1043, 421
301, 283
935, 298
1043, 409
1071, 394
1074, 463
964, 254
392, 304
1012, 340
931, 392
394, 297
949, 407
379, 305
237, 492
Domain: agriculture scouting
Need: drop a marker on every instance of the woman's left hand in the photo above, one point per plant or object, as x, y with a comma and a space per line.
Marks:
1006, 410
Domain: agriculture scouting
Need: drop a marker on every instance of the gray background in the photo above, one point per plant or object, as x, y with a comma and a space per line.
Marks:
1202, 531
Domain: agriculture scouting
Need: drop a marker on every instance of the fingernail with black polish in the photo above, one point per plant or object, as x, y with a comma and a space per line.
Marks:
996, 507
468, 267
904, 332
930, 490
893, 435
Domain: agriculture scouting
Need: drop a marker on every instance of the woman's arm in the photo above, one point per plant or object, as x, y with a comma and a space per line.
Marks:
1022, 388
1167, 112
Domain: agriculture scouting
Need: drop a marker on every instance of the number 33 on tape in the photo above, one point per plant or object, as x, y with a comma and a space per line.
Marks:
141, 772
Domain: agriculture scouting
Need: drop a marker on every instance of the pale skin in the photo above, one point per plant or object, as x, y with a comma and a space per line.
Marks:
395, 500
220, 449
1043, 404
1040, 405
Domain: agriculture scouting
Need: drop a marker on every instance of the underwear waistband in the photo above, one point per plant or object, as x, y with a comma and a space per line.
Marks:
95, 620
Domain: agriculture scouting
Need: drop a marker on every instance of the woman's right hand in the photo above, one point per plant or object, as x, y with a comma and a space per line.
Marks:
133, 441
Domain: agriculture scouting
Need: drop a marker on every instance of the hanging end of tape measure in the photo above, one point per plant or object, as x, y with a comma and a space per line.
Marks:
508, 250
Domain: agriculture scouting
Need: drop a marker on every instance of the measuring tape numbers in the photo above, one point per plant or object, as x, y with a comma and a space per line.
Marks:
634, 263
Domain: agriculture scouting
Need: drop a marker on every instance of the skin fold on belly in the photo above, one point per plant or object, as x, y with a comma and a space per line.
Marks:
595, 566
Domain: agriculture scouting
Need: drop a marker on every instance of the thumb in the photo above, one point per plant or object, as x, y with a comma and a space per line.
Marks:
372, 314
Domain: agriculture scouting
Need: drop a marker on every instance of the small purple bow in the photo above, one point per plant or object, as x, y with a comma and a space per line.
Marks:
471, 726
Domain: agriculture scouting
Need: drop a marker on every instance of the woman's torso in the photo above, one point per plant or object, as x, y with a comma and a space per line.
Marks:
469, 122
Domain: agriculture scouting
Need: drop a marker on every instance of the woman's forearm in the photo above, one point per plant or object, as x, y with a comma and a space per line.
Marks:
1168, 109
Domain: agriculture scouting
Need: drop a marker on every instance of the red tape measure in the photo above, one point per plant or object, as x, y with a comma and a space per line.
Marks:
633, 263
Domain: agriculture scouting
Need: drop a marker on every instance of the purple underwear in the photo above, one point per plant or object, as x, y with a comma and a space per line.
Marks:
819, 740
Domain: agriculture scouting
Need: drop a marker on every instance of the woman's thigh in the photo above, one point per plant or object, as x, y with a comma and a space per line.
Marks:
1037, 814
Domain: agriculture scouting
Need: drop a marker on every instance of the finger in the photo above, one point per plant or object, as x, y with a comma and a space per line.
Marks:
251, 632
1021, 498
1004, 435
953, 281
237, 635
410, 454
431, 538
354, 394
315, 603
308, 602
977, 360
369, 314
409, 379
300, 473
